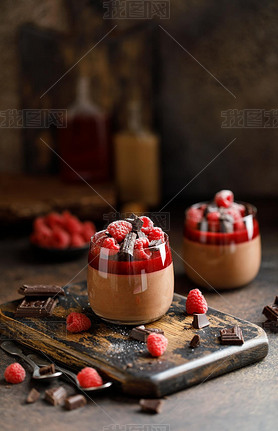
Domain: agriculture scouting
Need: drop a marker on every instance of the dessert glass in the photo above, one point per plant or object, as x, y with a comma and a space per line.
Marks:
130, 292
222, 260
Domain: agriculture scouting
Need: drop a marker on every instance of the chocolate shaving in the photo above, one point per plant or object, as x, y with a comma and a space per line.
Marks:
151, 406
136, 222
75, 402
41, 290
55, 396
127, 247
195, 342
33, 396
231, 336
36, 308
140, 333
200, 321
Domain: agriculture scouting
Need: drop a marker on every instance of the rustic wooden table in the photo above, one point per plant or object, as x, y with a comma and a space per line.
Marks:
245, 399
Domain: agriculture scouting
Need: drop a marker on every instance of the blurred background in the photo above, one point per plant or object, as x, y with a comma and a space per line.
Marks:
133, 103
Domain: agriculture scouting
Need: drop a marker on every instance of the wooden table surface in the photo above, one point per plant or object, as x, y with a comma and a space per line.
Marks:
245, 399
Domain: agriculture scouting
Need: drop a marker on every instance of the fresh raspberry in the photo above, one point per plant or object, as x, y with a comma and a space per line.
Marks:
141, 253
54, 219
193, 217
88, 378
239, 207
42, 236
141, 243
234, 212
97, 242
147, 224
119, 229
196, 303
71, 223
39, 223
111, 244
78, 322
14, 373
77, 240
60, 238
239, 225
156, 233
224, 198
156, 344
88, 230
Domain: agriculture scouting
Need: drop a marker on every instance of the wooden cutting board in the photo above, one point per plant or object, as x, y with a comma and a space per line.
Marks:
109, 348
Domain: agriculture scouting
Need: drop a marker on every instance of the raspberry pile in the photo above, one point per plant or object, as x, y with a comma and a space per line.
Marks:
88, 378
61, 231
196, 302
220, 215
78, 322
14, 373
135, 238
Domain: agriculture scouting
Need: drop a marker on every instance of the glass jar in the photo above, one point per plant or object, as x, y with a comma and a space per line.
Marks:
222, 259
130, 292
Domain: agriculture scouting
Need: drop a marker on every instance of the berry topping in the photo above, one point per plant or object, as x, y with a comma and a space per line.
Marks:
88, 378
156, 344
111, 244
224, 198
14, 373
141, 242
196, 303
140, 253
194, 217
213, 221
147, 224
78, 322
119, 229
156, 233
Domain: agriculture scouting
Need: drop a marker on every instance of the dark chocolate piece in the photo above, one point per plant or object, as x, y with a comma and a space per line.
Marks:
47, 369
41, 290
36, 308
151, 406
231, 336
136, 222
141, 234
140, 333
75, 402
33, 396
271, 312
276, 301
200, 321
56, 396
155, 244
271, 325
127, 247
195, 342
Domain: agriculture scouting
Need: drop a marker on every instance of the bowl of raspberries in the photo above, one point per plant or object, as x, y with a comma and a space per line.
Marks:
61, 234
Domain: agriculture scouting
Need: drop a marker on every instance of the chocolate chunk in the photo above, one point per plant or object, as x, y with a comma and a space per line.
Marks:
33, 396
127, 247
75, 401
141, 234
151, 406
140, 333
47, 369
56, 396
271, 325
231, 336
41, 290
276, 301
136, 222
271, 312
200, 321
195, 342
36, 308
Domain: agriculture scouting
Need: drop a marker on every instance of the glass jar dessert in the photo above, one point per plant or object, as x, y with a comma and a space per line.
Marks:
222, 244
130, 272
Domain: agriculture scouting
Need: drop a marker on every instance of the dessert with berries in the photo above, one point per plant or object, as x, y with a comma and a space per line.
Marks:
222, 245
130, 272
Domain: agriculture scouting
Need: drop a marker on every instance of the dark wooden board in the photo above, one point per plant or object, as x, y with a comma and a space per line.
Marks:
108, 347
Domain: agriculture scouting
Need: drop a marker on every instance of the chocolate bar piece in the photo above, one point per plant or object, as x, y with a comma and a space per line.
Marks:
56, 396
151, 406
47, 369
127, 247
271, 325
75, 402
231, 336
271, 312
136, 222
36, 308
140, 333
200, 321
195, 342
33, 396
41, 290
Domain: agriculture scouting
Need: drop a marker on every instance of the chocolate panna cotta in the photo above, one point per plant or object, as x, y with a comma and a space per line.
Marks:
222, 242
131, 264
